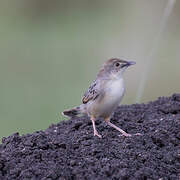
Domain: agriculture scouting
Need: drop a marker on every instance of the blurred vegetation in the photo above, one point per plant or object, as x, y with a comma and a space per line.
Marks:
50, 51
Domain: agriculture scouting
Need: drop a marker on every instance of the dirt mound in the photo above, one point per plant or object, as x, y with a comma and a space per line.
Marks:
68, 150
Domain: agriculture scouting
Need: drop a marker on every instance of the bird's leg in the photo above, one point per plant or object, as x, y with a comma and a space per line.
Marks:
94, 127
117, 128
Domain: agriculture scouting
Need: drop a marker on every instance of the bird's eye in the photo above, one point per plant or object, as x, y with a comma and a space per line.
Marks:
117, 64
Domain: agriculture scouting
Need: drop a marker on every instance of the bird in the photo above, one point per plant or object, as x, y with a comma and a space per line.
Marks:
104, 94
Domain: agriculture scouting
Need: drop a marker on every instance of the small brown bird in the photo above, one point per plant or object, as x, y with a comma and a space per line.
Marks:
104, 94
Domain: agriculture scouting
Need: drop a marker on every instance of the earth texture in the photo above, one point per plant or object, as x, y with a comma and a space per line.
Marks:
69, 150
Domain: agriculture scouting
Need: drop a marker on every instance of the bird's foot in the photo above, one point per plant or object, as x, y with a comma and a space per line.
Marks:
125, 134
97, 134
129, 135
138, 134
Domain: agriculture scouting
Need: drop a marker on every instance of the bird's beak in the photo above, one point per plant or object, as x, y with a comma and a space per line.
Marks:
129, 63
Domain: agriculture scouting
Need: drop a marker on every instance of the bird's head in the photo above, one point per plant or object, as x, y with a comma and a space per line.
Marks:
115, 67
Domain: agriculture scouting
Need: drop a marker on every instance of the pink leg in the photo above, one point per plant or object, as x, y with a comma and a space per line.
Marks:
117, 128
94, 127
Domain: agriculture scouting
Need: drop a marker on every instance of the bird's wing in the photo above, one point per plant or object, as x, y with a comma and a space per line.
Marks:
92, 93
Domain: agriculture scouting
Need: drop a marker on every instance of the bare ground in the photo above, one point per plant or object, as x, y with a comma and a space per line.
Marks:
68, 150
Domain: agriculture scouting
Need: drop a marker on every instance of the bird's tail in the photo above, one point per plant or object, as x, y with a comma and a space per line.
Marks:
74, 111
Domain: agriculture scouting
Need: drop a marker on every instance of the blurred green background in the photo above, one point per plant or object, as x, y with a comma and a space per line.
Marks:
50, 51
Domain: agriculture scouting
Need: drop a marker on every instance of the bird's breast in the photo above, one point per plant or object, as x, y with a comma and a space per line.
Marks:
113, 93
105, 104
114, 90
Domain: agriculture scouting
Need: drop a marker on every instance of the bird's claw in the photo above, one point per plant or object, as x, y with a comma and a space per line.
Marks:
125, 134
129, 135
138, 134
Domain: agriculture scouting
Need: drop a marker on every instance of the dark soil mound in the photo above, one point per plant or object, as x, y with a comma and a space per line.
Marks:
69, 150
